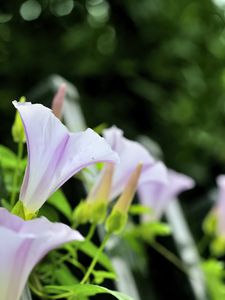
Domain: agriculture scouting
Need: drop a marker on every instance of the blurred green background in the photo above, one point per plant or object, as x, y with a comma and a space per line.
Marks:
153, 67
150, 66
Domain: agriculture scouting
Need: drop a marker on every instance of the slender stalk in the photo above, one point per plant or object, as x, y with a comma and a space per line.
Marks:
169, 256
16, 173
91, 232
44, 296
203, 243
95, 259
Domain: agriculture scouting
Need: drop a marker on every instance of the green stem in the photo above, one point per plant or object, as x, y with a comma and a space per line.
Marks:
95, 259
203, 243
169, 256
91, 232
16, 173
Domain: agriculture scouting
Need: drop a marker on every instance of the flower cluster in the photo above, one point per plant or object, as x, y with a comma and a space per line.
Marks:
54, 156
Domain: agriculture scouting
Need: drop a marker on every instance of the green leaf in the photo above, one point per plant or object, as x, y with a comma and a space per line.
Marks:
91, 250
59, 201
5, 204
49, 212
64, 276
80, 290
8, 158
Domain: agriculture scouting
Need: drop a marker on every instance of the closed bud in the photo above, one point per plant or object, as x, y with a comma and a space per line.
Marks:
116, 222
18, 133
102, 188
124, 201
58, 101
99, 196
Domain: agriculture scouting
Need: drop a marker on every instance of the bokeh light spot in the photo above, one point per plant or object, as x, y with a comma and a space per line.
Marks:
61, 8
30, 10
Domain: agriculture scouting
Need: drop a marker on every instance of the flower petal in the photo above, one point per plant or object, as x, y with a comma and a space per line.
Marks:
23, 247
157, 195
131, 153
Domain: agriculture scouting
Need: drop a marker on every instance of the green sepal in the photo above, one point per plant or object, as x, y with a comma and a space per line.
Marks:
81, 214
18, 132
116, 222
20, 211
210, 224
217, 246
87, 211
98, 212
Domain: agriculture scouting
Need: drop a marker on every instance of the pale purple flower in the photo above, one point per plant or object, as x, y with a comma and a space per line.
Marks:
220, 206
131, 154
23, 245
157, 196
55, 154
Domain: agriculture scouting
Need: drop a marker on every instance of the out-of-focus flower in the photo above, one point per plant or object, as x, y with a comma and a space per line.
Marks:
58, 101
131, 154
220, 206
55, 154
23, 245
157, 196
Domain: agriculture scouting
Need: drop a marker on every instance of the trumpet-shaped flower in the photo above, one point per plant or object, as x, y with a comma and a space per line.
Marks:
23, 245
131, 154
55, 154
157, 196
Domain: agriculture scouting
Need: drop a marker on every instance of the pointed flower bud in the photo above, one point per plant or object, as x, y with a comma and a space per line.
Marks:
118, 217
18, 133
58, 101
127, 196
101, 191
95, 208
